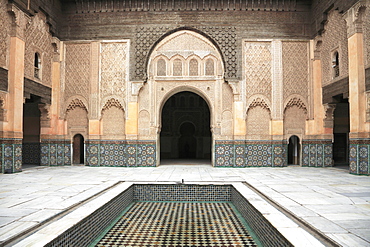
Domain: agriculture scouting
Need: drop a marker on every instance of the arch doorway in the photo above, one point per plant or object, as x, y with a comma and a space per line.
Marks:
294, 148
185, 132
78, 149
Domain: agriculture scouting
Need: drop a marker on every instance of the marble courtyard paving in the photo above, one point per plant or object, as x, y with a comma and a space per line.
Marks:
329, 199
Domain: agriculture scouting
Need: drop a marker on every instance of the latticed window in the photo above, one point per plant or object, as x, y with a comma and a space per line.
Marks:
177, 67
335, 65
193, 67
161, 67
210, 67
37, 65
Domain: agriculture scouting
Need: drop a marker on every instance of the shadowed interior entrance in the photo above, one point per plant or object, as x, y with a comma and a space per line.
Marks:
185, 132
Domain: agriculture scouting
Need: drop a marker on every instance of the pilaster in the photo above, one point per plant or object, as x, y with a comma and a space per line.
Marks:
359, 129
11, 143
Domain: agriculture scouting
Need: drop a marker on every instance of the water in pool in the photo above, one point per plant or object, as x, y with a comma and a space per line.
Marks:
176, 224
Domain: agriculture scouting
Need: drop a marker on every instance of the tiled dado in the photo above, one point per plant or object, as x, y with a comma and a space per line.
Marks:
11, 155
250, 153
120, 153
317, 153
359, 156
55, 153
31, 153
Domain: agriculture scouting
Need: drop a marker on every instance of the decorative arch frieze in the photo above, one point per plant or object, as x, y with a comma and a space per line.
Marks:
222, 38
258, 100
112, 102
296, 101
74, 103
185, 46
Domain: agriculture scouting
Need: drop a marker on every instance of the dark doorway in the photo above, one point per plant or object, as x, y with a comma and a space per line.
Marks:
294, 149
187, 141
78, 149
185, 132
31, 132
341, 132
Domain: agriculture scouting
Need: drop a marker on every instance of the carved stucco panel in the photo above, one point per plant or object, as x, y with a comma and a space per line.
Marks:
77, 70
113, 69
38, 40
334, 39
258, 68
5, 27
295, 68
258, 122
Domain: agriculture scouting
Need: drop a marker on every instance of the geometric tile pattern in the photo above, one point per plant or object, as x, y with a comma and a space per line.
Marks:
250, 154
31, 153
267, 233
178, 224
120, 153
55, 153
359, 156
11, 155
84, 232
181, 192
317, 153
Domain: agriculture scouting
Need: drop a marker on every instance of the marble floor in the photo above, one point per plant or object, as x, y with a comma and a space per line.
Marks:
329, 199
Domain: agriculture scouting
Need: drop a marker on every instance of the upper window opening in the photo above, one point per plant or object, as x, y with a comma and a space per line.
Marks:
37, 65
335, 65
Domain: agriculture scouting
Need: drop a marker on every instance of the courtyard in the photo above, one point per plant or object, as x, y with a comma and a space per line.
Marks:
329, 199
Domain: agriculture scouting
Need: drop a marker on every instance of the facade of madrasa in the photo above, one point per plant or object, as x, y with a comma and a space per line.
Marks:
244, 83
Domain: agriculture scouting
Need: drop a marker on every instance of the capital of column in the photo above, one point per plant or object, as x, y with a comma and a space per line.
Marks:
20, 21
354, 18
329, 115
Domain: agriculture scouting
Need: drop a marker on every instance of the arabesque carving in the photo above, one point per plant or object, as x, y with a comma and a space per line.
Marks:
74, 104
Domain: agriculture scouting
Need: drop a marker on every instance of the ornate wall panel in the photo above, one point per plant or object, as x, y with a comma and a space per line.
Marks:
77, 118
10, 155
120, 153
359, 157
77, 70
5, 27
146, 37
317, 153
294, 120
227, 124
38, 39
258, 123
257, 68
144, 123
250, 153
55, 152
113, 69
334, 38
113, 122
295, 69
366, 30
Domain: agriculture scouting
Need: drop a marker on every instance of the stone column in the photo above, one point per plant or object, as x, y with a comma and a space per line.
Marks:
13, 131
359, 130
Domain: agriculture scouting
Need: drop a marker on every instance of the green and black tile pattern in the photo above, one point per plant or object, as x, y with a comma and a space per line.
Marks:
174, 224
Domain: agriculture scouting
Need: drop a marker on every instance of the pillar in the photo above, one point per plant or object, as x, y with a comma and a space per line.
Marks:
11, 142
359, 136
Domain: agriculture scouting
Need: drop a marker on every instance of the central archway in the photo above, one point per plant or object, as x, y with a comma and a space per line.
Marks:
185, 132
